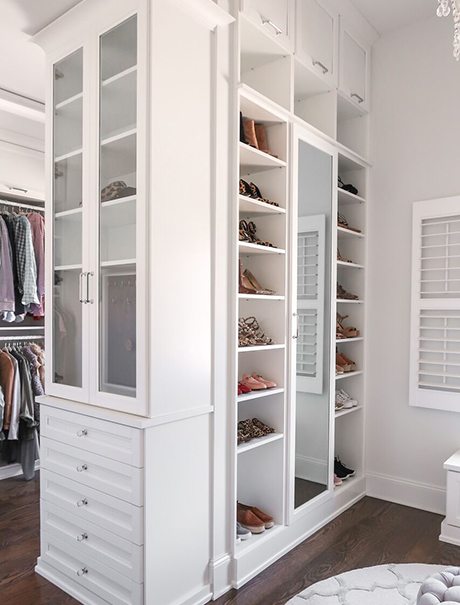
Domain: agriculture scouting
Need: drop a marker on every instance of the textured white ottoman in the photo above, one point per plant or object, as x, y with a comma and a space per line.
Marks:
443, 587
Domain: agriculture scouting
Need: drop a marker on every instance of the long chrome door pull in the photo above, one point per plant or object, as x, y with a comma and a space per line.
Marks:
278, 30
82, 300
88, 275
296, 315
360, 99
323, 67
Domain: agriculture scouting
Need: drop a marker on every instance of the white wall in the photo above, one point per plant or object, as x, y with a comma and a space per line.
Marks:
415, 150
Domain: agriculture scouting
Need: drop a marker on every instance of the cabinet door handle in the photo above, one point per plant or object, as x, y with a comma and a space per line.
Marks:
81, 503
82, 433
82, 537
82, 467
278, 30
82, 300
296, 315
360, 99
88, 275
323, 67
82, 572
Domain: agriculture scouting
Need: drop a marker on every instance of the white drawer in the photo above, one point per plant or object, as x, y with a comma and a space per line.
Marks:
89, 573
123, 519
89, 539
108, 439
108, 476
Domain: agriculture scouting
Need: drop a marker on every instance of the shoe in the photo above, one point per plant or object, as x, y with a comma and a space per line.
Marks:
341, 470
250, 334
343, 223
247, 519
240, 392
245, 189
268, 521
349, 362
252, 383
343, 294
267, 430
340, 361
341, 258
243, 388
349, 188
244, 285
338, 405
256, 194
242, 532
345, 397
252, 230
261, 135
342, 402
268, 383
242, 137
338, 369
255, 284
345, 331
249, 129
337, 481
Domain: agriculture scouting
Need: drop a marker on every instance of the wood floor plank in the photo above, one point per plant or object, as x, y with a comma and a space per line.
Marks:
372, 532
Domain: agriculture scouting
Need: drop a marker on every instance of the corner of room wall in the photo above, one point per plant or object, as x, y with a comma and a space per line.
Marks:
415, 153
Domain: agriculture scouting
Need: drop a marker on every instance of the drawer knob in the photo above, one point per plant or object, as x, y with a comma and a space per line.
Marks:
82, 572
82, 537
81, 503
82, 433
82, 467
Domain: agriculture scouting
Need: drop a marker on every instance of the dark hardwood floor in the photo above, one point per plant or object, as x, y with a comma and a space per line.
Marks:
373, 532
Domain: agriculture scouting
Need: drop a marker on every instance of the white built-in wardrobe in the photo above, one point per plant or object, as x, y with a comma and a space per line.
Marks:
141, 469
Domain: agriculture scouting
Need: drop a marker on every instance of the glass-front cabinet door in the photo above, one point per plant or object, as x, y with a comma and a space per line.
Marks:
312, 306
69, 313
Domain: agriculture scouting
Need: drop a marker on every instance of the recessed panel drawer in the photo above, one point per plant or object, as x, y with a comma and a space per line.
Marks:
89, 573
108, 476
89, 539
114, 441
119, 517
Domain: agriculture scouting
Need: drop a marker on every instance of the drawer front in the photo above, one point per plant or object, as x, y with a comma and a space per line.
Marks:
89, 573
114, 441
120, 518
108, 476
453, 498
88, 539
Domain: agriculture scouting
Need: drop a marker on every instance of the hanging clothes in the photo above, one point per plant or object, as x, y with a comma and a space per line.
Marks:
37, 225
7, 296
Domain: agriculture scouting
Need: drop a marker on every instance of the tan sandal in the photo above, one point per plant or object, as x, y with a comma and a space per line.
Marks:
345, 331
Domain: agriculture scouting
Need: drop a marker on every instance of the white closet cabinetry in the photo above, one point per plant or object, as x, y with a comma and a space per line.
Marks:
274, 17
317, 38
354, 67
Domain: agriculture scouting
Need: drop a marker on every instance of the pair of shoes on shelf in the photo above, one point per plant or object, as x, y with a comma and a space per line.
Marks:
251, 190
343, 332
349, 188
255, 135
252, 429
344, 363
255, 382
341, 471
242, 533
250, 334
341, 258
342, 222
343, 294
247, 233
343, 401
253, 519
248, 284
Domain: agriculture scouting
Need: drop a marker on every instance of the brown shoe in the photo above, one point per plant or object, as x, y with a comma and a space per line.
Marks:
250, 133
261, 135
268, 521
250, 521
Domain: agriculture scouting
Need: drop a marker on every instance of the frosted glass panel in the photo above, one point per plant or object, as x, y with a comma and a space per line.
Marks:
118, 208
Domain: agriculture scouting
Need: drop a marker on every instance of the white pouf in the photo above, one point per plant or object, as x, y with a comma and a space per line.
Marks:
443, 587
382, 585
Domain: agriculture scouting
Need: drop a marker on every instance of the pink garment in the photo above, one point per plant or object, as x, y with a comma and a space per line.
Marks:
37, 226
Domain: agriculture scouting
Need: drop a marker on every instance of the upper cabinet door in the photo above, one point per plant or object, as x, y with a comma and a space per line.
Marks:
272, 16
118, 286
317, 35
354, 68
67, 207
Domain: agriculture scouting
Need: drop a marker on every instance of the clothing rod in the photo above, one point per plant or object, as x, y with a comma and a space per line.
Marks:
34, 337
18, 205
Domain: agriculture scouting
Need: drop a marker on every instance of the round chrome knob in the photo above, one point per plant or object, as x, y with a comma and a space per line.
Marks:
82, 572
81, 503
83, 467
82, 433
82, 537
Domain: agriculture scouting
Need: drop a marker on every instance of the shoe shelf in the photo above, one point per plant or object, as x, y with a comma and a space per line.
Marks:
347, 198
259, 394
260, 297
254, 160
348, 233
258, 442
341, 341
256, 540
251, 208
260, 348
342, 301
348, 375
348, 483
346, 412
346, 265
249, 249
68, 268
68, 213
69, 101
349, 160
70, 154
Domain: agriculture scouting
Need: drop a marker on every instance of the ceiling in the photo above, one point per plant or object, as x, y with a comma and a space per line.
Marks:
388, 15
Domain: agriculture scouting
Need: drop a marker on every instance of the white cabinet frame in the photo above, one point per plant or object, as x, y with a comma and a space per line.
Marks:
353, 95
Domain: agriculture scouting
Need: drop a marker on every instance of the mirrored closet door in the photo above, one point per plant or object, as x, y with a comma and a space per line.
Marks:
312, 302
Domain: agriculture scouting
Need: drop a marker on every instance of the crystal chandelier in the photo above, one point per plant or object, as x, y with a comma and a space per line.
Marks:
444, 11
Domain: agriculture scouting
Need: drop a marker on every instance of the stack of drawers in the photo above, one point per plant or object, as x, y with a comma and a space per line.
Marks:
92, 514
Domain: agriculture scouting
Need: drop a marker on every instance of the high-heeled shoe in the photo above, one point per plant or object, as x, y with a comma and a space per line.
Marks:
349, 362
340, 361
252, 231
256, 194
342, 294
253, 281
341, 258
261, 135
345, 331
244, 285
250, 137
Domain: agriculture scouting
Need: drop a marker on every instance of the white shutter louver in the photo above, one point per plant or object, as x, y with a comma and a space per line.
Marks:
435, 332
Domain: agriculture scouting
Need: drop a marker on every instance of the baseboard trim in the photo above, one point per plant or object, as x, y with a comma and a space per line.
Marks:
408, 493
221, 571
449, 534
14, 470
66, 584
310, 469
